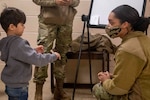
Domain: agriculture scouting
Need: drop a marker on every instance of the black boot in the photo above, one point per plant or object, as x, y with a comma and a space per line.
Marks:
38, 91
59, 93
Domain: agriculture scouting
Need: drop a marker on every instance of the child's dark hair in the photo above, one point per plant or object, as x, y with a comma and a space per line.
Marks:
127, 13
11, 15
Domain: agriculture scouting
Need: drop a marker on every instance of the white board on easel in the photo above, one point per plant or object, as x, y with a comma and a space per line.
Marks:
100, 9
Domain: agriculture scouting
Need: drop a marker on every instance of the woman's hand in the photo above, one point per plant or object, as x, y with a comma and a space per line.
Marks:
102, 76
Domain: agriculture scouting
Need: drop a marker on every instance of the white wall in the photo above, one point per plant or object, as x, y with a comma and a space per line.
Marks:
31, 10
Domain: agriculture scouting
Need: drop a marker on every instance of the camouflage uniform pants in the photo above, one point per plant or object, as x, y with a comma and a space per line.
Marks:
47, 35
101, 94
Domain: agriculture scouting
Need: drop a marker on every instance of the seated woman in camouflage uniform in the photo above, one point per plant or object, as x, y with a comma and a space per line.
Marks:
131, 75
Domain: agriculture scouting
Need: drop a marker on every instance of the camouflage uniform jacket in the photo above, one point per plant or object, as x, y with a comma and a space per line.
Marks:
51, 13
97, 42
132, 70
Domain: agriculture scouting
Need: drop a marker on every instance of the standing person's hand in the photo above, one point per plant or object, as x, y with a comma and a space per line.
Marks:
57, 54
63, 2
39, 49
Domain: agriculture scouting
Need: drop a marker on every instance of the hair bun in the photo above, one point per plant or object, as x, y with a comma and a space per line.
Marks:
141, 24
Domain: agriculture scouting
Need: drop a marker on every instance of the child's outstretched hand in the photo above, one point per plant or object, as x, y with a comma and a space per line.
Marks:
57, 54
39, 49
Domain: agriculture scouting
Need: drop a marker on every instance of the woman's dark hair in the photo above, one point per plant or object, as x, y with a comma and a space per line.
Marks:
126, 13
11, 15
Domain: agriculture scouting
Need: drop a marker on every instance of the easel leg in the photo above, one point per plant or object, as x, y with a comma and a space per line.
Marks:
79, 57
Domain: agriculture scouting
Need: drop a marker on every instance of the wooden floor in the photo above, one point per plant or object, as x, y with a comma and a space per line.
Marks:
80, 94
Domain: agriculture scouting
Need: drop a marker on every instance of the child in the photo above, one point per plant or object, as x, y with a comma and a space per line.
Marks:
18, 55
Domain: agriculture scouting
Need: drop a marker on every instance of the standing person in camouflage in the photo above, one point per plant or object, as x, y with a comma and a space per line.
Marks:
131, 76
55, 22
